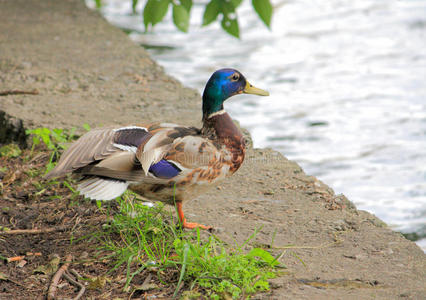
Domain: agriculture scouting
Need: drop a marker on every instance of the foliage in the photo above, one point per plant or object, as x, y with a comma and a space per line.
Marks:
54, 139
144, 238
226, 10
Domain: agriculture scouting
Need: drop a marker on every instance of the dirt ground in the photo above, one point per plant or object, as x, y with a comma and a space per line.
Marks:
79, 69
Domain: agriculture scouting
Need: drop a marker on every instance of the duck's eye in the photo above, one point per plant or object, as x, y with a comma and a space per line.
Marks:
235, 77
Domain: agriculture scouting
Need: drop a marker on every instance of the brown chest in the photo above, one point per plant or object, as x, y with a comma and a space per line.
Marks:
226, 134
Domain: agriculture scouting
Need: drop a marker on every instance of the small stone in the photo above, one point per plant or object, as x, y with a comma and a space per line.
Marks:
361, 256
26, 65
219, 229
339, 225
387, 251
22, 263
104, 78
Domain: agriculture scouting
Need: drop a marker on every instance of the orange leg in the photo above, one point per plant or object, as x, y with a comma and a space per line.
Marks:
183, 219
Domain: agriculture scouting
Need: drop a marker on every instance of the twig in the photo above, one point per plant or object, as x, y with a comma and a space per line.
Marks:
54, 285
34, 231
15, 258
21, 257
77, 284
15, 282
33, 254
19, 92
74, 272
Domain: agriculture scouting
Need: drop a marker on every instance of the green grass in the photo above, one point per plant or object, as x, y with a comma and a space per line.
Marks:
142, 238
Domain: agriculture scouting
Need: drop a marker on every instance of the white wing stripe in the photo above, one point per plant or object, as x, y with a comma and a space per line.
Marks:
102, 189
130, 127
126, 147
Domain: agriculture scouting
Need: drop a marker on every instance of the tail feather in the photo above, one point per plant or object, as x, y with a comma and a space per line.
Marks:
97, 188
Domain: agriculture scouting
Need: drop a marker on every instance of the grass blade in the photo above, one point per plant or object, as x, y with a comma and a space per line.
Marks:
182, 271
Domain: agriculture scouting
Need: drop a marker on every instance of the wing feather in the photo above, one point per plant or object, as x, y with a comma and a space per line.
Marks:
113, 151
97, 145
102, 189
94, 145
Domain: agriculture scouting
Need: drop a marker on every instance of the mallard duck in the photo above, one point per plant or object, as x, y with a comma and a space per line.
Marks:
163, 161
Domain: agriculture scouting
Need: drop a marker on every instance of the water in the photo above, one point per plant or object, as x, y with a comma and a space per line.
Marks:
348, 91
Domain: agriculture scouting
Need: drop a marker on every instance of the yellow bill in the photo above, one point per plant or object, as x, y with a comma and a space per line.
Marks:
250, 89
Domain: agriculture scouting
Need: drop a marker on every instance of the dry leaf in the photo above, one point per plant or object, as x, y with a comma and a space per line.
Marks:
50, 268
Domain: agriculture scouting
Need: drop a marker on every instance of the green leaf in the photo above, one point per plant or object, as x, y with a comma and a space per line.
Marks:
161, 8
227, 7
59, 135
154, 11
181, 17
134, 3
98, 3
231, 26
211, 12
147, 13
86, 127
229, 21
236, 3
264, 255
264, 10
49, 167
187, 4
44, 135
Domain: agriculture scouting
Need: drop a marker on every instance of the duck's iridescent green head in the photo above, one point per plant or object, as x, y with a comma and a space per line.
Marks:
223, 84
